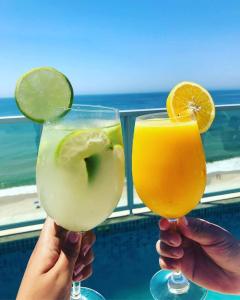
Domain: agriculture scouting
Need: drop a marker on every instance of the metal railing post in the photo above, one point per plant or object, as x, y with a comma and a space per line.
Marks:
127, 126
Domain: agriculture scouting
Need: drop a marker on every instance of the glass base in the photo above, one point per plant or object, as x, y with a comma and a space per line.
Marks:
160, 290
88, 294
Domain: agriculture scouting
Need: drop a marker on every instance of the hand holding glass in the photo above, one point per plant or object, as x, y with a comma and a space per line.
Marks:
169, 173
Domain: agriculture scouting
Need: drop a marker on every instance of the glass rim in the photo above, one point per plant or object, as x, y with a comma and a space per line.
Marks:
85, 108
90, 108
164, 116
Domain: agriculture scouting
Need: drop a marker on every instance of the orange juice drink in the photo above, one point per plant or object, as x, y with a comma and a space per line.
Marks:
169, 169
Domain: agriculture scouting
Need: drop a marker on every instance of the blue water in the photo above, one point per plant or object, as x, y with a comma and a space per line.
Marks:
127, 101
125, 257
18, 142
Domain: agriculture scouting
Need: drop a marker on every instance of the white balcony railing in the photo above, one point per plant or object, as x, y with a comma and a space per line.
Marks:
223, 159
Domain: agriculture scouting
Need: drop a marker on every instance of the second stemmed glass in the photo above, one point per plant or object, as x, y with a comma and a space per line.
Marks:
169, 173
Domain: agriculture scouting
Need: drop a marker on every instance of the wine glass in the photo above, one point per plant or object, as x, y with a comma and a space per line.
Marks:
80, 171
169, 173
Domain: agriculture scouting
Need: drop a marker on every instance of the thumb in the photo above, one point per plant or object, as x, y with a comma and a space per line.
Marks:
69, 252
200, 231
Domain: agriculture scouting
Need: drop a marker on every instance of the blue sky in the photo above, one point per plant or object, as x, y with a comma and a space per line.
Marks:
110, 46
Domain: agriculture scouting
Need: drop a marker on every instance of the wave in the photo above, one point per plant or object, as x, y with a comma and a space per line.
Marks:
22, 190
227, 165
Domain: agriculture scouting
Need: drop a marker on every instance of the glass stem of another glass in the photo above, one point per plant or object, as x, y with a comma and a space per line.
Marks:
76, 290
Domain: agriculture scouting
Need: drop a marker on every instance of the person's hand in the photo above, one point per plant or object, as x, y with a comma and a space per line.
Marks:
205, 253
58, 258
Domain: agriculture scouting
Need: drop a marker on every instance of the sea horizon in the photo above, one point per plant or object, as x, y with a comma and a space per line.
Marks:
79, 94
19, 141
130, 100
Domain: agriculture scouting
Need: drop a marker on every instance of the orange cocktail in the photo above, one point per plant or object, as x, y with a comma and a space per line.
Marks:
169, 169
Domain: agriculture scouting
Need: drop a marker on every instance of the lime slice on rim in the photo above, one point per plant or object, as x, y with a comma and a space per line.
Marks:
43, 94
81, 144
188, 97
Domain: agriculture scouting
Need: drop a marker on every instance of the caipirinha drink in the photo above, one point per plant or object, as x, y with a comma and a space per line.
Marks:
80, 172
80, 166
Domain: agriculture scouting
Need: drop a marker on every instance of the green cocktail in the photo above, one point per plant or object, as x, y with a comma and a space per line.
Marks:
80, 168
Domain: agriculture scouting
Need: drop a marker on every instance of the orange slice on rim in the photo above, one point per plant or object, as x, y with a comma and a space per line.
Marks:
187, 97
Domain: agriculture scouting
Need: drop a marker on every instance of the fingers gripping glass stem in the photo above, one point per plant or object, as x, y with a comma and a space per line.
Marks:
177, 282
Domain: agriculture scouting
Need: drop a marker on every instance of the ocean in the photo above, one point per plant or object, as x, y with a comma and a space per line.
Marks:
127, 101
19, 141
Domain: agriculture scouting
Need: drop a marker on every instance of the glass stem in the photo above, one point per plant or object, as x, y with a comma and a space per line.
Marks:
76, 291
177, 282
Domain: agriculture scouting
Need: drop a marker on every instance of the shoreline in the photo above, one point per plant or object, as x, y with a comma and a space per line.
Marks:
21, 204
216, 181
214, 178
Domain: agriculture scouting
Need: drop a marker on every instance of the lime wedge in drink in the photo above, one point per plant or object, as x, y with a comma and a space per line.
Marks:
115, 134
81, 144
43, 94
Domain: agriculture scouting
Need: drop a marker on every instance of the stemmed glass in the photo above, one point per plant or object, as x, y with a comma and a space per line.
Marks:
169, 173
80, 171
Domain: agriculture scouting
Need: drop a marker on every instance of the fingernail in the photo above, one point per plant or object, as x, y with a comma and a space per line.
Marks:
73, 237
78, 270
172, 242
85, 250
79, 277
185, 221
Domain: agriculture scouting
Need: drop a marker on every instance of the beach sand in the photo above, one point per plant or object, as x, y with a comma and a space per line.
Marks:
19, 209
20, 205
222, 181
